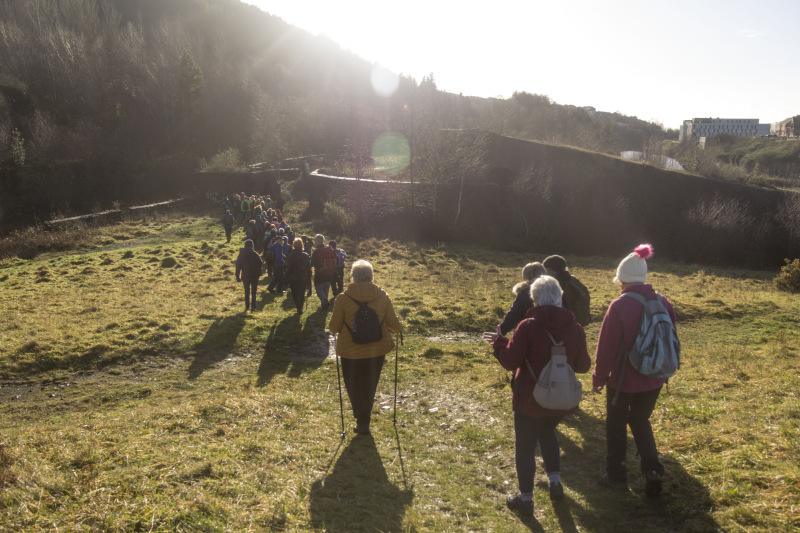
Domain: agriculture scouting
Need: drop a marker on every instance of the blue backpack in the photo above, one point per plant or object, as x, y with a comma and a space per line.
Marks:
656, 351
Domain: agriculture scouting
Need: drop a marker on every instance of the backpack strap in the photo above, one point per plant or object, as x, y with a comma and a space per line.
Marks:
528, 363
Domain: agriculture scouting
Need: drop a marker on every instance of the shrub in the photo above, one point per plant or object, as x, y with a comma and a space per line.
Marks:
228, 160
337, 220
789, 278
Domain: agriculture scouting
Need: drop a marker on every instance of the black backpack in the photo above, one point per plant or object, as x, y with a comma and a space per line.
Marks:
578, 300
367, 327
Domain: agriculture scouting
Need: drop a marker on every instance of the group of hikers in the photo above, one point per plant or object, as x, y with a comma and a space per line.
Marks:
272, 248
553, 331
547, 317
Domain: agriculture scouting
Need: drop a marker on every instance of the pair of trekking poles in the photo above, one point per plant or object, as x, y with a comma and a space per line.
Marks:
398, 342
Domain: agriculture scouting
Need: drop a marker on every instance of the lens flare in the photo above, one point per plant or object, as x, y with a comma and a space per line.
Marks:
384, 82
391, 153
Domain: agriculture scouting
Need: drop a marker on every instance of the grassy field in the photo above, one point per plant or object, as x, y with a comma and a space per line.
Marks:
136, 396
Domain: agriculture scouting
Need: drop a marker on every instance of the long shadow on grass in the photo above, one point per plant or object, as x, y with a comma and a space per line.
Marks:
296, 344
216, 344
357, 494
683, 506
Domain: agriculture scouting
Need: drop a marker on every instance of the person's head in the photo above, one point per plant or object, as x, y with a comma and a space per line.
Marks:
252, 223
546, 291
531, 271
555, 264
281, 231
297, 244
248, 243
227, 211
361, 271
319, 239
633, 269
332, 244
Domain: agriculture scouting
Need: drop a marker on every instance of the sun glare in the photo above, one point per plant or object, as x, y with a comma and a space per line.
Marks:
384, 82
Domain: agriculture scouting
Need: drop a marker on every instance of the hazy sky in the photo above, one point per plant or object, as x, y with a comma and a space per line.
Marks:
659, 60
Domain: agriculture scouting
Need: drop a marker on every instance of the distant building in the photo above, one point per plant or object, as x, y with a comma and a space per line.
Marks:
788, 128
698, 128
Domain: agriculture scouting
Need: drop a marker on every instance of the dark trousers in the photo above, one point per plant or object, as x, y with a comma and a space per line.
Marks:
250, 286
361, 380
337, 284
527, 431
633, 409
298, 288
277, 279
228, 230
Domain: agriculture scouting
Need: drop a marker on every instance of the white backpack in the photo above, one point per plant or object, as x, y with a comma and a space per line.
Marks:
557, 387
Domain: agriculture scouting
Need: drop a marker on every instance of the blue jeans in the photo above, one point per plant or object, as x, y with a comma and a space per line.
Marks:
527, 431
322, 289
634, 409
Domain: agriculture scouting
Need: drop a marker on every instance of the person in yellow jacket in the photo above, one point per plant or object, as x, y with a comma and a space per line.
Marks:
362, 363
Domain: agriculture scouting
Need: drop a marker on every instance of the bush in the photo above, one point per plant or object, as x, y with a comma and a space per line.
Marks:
228, 160
789, 278
337, 220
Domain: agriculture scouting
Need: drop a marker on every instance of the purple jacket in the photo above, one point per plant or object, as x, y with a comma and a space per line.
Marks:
530, 341
622, 321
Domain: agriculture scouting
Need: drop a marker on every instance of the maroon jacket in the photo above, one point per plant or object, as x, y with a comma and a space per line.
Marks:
531, 341
248, 264
622, 319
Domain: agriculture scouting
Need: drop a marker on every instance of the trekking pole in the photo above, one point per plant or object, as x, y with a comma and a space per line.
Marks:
339, 381
396, 355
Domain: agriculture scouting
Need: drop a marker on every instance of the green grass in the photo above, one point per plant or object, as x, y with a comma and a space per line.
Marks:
137, 397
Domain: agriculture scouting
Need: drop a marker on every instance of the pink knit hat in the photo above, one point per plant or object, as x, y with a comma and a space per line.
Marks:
633, 269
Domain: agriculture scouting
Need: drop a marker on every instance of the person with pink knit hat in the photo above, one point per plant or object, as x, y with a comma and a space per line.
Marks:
630, 395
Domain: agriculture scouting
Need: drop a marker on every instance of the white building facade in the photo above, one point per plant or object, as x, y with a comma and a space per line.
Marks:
697, 128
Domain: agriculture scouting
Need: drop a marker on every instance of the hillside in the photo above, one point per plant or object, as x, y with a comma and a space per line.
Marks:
118, 101
514, 194
764, 161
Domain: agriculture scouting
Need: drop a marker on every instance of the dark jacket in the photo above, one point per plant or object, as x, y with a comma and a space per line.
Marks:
622, 321
576, 296
519, 308
530, 341
298, 266
248, 264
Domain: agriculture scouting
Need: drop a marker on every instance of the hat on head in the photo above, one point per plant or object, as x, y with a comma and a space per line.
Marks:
633, 269
332, 244
556, 263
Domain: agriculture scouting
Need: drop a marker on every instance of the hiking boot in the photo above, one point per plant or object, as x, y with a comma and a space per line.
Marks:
516, 504
653, 482
605, 481
556, 490
362, 429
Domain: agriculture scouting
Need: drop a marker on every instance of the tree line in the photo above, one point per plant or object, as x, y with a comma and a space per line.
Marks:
107, 101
